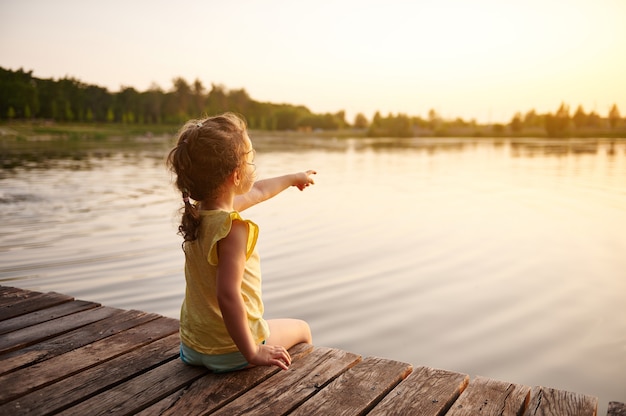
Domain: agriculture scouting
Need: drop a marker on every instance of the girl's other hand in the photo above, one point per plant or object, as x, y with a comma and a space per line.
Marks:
272, 355
304, 179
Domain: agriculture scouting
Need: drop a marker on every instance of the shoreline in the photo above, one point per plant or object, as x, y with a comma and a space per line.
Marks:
48, 131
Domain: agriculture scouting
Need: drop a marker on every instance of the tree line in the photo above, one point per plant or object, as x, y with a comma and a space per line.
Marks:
561, 123
25, 97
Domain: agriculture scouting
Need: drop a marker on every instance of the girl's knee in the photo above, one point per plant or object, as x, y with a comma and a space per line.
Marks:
303, 331
289, 332
306, 331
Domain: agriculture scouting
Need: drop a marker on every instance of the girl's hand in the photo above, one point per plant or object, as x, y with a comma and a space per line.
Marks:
271, 355
304, 179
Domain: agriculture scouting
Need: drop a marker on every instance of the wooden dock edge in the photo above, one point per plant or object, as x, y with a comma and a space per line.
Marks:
64, 356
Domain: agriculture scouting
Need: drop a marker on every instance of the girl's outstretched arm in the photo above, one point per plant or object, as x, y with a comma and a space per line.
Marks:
268, 188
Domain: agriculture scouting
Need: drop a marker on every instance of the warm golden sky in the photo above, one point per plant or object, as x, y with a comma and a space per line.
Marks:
482, 59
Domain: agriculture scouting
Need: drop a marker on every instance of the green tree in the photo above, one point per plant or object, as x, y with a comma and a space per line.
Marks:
216, 101
68, 114
391, 126
183, 98
434, 120
47, 91
198, 99
614, 116
376, 125
340, 119
517, 124
152, 104
18, 89
401, 126
287, 117
419, 122
97, 101
360, 121
580, 119
238, 101
532, 119
594, 120
127, 105
557, 125
69, 96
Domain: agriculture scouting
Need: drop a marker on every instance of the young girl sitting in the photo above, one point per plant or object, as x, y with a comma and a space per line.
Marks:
221, 320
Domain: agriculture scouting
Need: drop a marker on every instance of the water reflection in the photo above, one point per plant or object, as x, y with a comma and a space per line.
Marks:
565, 147
526, 147
47, 154
70, 154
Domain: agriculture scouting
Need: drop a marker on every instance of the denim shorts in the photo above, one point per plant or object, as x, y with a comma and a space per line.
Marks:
218, 363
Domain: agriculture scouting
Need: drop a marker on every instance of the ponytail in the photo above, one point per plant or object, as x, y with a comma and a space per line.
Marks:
190, 220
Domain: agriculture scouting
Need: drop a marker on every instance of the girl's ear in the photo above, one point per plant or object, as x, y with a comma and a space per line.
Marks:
236, 177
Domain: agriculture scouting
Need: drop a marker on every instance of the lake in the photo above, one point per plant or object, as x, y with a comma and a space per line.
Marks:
504, 258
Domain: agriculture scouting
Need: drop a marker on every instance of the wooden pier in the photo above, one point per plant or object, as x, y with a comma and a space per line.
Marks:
64, 356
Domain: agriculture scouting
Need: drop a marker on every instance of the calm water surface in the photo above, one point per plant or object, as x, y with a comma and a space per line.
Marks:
499, 258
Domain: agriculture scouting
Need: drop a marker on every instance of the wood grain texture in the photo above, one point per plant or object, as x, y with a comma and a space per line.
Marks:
616, 409
32, 303
12, 295
45, 330
31, 378
286, 390
139, 392
213, 391
44, 315
69, 341
484, 396
75, 389
551, 402
357, 390
426, 391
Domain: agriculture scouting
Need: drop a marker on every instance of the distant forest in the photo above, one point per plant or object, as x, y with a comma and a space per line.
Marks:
24, 97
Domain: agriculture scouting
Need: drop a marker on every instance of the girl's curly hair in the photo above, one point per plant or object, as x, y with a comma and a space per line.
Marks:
206, 153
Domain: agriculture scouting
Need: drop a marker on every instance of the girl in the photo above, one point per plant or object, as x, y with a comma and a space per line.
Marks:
221, 321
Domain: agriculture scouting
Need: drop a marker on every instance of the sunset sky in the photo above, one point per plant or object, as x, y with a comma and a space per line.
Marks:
481, 59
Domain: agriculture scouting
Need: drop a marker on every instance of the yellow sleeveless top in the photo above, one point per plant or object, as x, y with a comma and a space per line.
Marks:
201, 324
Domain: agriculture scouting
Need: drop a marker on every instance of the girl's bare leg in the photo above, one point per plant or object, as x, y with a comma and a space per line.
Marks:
288, 332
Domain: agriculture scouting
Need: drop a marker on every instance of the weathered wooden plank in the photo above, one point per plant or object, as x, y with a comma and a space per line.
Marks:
9, 295
31, 304
216, 390
357, 390
140, 392
616, 409
23, 381
162, 405
74, 339
45, 315
73, 390
286, 390
33, 334
551, 402
425, 392
127, 363
484, 396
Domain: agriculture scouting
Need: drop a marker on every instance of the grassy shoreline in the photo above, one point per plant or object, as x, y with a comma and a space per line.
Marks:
46, 130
